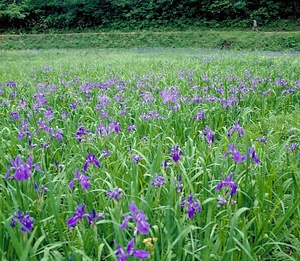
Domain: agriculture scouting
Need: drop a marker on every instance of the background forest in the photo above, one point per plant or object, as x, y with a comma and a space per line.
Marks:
54, 15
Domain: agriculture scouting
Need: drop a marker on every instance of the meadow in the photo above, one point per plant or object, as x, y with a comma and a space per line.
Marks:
156, 154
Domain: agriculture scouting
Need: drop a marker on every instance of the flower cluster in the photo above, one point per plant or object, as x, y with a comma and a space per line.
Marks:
192, 206
175, 151
123, 255
209, 135
229, 185
91, 159
115, 194
253, 155
25, 220
158, 181
142, 226
83, 179
236, 128
22, 170
92, 217
236, 155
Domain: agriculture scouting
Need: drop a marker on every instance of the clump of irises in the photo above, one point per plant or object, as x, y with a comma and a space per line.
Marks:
123, 255
176, 152
230, 188
115, 194
24, 220
192, 205
209, 135
79, 214
83, 179
158, 181
138, 216
22, 169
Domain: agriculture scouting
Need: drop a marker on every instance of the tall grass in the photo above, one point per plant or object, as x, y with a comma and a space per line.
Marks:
161, 92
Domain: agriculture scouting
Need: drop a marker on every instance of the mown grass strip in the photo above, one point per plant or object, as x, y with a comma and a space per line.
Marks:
229, 40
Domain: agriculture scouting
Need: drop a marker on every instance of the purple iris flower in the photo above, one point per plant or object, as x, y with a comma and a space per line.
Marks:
115, 126
58, 134
200, 115
292, 147
92, 217
40, 190
64, 115
102, 130
192, 206
81, 133
23, 129
165, 164
15, 115
78, 215
26, 221
106, 153
158, 181
178, 184
236, 155
45, 145
131, 127
136, 158
208, 133
228, 183
142, 226
115, 194
31, 144
262, 139
49, 114
221, 201
253, 155
22, 104
84, 180
237, 128
130, 250
22, 169
150, 115
176, 151
91, 159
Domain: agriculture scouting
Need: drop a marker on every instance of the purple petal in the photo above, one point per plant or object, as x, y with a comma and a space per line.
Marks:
76, 173
220, 185
84, 181
72, 221
176, 157
37, 167
140, 254
130, 245
143, 227
85, 166
30, 161
71, 185
191, 212
96, 162
132, 208
124, 224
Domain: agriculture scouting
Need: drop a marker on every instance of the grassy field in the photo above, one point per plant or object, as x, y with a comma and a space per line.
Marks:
229, 40
157, 153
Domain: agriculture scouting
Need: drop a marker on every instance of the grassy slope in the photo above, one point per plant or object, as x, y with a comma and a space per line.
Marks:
233, 40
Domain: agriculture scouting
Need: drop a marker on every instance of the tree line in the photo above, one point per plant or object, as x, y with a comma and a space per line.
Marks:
44, 15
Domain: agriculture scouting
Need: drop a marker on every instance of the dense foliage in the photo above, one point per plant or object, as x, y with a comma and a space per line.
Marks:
40, 15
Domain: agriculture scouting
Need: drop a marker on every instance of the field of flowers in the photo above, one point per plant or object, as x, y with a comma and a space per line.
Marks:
157, 154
